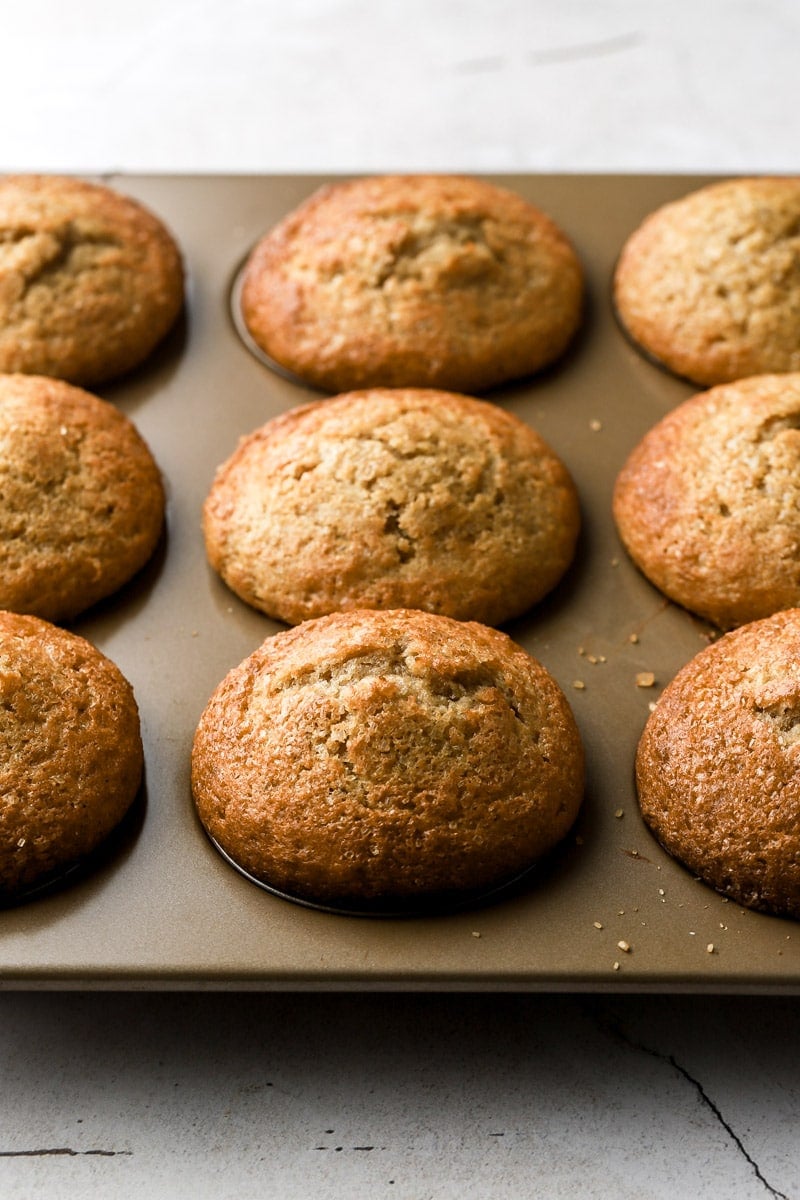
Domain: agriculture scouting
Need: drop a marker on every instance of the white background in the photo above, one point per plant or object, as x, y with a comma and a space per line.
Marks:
399, 1096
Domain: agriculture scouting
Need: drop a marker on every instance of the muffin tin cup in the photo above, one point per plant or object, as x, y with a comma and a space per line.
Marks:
424, 905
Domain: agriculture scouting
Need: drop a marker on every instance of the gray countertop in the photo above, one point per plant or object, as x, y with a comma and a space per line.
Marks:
405, 1095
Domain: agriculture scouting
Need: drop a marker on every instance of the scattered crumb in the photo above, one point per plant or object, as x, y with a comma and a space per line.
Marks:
619, 813
616, 966
645, 679
615, 562
661, 892
598, 924
579, 685
634, 639
595, 425
710, 948
475, 933
594, 659
624, 946
652, 706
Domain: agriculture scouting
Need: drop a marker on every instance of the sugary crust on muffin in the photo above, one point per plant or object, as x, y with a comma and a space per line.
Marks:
387, 754
90, 280
392, 499
718, 765
709, 285
413, 281
708, 503
81, 498
71, 760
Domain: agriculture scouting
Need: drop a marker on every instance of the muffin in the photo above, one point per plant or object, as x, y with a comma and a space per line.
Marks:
718, 765
81, 498
708, 503
392, 498
386, 757
71, 760
90, 281
709, 285
413, 281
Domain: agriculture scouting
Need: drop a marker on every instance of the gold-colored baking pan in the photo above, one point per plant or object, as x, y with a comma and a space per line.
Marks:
611, 910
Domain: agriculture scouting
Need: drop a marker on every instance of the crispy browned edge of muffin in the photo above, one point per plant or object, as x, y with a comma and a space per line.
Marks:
737, 865
481, 602
321, 888
156, 246
270, 304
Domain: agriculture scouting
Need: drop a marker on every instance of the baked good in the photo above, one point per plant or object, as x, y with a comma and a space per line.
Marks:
709, 285
81, 498
717, 768
71, 760
708, 503
392, 498
90, 281
386, 756
413, 281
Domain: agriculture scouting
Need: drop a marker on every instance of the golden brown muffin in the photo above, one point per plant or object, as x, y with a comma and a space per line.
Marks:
90, 281
709, 285
413, 281
392, 499
718, 765
71, 759
708, 503
81, 498
386, 756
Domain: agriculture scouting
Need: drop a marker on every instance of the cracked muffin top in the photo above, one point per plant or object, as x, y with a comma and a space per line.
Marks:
387, 755
718, 765
90, 281
709, 285
413, 281
708, 504
81, 498
70, 750
392, 498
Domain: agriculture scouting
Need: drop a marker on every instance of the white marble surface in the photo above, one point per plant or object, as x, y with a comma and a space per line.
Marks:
403, 1096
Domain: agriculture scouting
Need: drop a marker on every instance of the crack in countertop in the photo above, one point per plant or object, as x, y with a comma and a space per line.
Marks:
66, 1151
612, 1027
558, 54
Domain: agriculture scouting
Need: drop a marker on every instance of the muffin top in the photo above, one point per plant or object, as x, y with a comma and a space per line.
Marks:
386, 755
413, 281
81, 498
708, 503
709, 285
718, 765
392, 498
71, 760
90, 281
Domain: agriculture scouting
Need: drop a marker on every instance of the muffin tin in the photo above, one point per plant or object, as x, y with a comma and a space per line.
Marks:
610, 911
